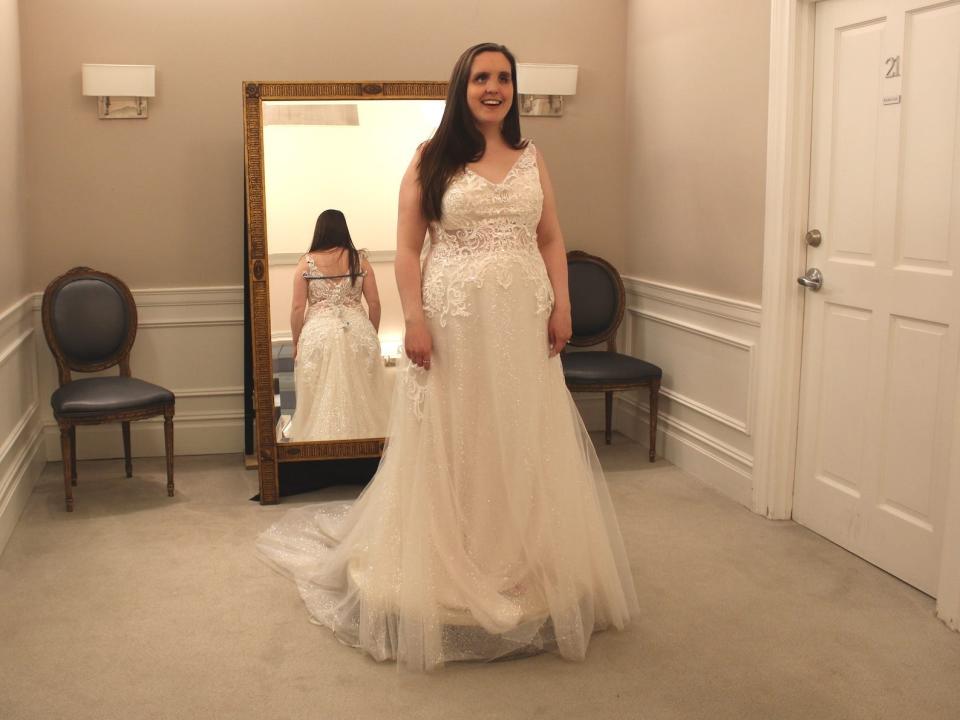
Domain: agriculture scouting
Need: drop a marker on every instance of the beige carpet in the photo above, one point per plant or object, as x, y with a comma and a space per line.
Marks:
143, 606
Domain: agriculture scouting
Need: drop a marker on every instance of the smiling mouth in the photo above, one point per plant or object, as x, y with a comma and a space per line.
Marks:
491, 102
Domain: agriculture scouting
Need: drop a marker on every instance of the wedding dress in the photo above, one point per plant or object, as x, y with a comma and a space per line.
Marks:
339, 377
488, 530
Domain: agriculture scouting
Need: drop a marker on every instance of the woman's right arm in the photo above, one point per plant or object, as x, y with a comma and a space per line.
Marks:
370, 293
299, 303
411, 229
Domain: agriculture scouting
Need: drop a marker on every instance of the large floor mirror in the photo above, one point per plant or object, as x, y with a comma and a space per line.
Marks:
310, 147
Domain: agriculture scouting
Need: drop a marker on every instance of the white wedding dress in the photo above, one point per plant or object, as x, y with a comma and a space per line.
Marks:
340, 382
488, 530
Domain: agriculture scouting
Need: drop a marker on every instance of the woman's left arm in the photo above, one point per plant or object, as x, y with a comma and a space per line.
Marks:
550, 241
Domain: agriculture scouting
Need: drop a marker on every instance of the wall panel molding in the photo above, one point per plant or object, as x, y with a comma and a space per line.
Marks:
21, 452
189, 340
704, 303
291, 259
707, 347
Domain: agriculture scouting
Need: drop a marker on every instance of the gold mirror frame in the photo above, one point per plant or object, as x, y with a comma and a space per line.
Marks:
269, 453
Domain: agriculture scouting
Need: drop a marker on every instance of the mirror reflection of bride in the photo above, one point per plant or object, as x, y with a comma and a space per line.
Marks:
341, 385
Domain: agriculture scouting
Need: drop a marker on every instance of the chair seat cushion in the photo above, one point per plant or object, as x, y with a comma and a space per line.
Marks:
105, 395
607, 368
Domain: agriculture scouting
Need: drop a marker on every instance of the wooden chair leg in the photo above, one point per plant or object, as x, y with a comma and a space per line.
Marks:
126, 449
654, 400
73, 455
608, 415
168, 441
66, 451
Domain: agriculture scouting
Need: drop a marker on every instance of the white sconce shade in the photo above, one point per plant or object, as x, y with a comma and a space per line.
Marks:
543, 79
542, 87
119, 80
121, 89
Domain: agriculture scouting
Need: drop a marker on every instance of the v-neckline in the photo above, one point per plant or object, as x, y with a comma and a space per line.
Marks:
505, 177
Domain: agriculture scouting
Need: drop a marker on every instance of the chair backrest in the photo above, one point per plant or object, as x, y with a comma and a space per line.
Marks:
90, 322
596, 299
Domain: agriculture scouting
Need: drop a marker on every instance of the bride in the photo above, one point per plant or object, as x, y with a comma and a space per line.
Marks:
339, 378
488, 530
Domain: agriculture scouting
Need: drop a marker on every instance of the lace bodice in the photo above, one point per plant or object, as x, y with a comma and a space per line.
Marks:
325, 292
486, 228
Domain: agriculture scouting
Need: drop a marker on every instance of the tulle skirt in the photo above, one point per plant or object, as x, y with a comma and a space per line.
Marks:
341, 385
488, 530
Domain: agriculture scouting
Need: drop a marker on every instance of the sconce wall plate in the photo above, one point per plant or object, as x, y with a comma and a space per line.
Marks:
111, 107
541, 105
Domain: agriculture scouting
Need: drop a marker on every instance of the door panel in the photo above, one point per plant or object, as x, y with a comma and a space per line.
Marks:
928, 198
846, 335
852, 191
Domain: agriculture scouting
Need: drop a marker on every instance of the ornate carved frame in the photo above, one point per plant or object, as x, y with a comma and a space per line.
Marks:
254, 93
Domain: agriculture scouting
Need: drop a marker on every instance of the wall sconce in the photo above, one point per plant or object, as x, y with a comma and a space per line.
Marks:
122, 90
542, 87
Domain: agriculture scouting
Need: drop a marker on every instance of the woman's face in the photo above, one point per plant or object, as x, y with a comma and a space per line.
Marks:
490, 88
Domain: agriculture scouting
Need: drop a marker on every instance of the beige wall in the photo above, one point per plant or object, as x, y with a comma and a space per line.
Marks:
354, 168
13, 242
160, 201
696, 122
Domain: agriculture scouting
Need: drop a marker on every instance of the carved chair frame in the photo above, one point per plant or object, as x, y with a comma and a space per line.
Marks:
121, 357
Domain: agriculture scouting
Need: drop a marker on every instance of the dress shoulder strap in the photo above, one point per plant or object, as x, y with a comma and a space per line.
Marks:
312, 270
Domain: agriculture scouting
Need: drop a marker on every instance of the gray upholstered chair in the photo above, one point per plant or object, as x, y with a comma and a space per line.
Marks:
90, 322
597, 300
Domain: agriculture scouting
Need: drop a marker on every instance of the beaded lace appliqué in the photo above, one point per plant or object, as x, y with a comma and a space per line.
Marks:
488, 232
338, 298
414, 380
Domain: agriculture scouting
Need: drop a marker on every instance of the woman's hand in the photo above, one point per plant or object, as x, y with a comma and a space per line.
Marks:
418, 344
559, 329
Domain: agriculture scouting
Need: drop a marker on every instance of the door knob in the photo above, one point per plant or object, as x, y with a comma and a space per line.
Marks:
812, 279
813, 238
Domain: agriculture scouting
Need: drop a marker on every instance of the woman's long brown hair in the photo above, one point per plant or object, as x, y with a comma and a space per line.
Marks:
457, 140
331, 232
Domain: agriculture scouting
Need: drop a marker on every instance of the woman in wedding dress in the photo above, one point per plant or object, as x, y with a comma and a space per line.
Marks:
488, 530
339, 376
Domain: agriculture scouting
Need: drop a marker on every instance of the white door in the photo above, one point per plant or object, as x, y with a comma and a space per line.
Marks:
880, 343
